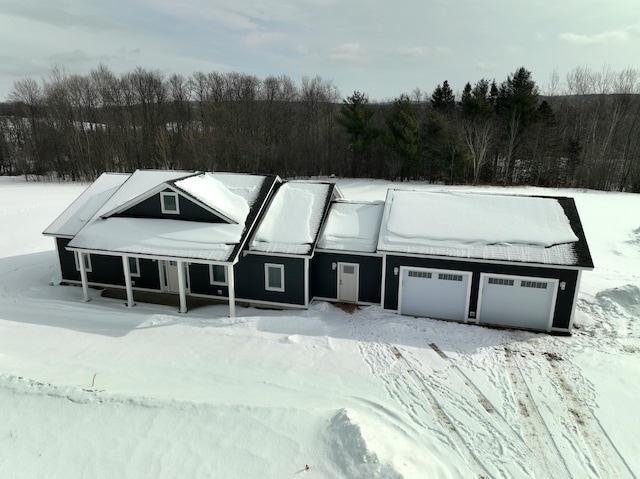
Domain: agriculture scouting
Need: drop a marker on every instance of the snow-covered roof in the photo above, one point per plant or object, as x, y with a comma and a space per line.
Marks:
293, 219
490, 227
352, 226
229, 194
139, 183
233, 195
86, 205
160, 237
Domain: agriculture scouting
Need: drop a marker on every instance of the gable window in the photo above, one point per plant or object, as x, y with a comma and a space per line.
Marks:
134, 267
274, 277
87, 261
217, 274
169, 203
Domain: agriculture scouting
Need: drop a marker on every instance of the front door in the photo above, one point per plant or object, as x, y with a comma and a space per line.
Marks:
170, 277
348, 282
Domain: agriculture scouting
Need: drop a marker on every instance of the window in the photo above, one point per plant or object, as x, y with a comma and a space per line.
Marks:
217, 274
274, 277
87, 261
349, 269
533, 284
450, 277
501, 281
419, 274
134, 267
169, 203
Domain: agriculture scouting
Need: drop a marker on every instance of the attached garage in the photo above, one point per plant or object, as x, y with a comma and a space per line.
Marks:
434, 293
517, 301
505, 260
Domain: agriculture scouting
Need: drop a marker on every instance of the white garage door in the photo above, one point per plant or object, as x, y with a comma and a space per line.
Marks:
434, 293
517, 301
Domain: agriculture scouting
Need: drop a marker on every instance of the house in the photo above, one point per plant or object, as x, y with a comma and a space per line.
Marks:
511, 261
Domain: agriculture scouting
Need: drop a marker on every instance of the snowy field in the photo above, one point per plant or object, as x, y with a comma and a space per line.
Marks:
97, 390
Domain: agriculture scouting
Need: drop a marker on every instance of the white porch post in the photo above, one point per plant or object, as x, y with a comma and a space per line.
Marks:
83, 277
232, 291
127, 280
306, 282
182, 286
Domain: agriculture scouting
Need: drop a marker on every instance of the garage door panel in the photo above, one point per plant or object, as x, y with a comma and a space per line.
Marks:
517, 301
435, 293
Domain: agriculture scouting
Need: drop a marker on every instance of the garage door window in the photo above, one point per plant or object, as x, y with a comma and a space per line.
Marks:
419, 274
501, 281
450, 277
533, 284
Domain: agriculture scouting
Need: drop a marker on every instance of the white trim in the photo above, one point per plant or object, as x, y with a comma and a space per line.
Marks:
307, 272
167, 194
87, 263
266, 277
469, 275
229, 273
278, 255
83, 277
347, 252
182, 290
147, 256
519, 278
383, 280
356, 272
127, 280
461, 259
576, 290
218, 283
137, 263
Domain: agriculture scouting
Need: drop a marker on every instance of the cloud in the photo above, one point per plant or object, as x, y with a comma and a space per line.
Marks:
422, 51
257, 39
348, 52
605, 38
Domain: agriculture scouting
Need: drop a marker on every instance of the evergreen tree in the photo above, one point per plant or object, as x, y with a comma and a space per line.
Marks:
443, 99
401, 137
517, 107
356, 116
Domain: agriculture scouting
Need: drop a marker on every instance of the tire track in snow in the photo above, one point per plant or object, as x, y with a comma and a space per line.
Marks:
459, 419
500, 452
386, 363
505, 426
608, 461
533, 425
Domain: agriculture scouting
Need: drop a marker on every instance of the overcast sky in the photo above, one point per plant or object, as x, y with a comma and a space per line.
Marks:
382, 48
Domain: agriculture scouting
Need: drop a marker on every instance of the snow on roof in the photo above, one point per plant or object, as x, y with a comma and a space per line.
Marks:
86, 205
293, 219
230, 194
213, 193
159, 237
492, 227
139, 183
352, 226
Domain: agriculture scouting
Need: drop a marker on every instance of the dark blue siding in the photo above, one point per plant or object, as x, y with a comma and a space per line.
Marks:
250, 281
201, 282
324, 279
189, 211
564, 301
67, 261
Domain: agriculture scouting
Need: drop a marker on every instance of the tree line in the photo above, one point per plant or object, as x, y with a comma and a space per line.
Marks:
583, 132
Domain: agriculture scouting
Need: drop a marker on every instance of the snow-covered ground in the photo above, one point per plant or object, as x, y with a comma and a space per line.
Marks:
102, 391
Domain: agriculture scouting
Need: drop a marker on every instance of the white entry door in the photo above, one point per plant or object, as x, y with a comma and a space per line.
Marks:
348, 282
170, 276
434, 293
521, 302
